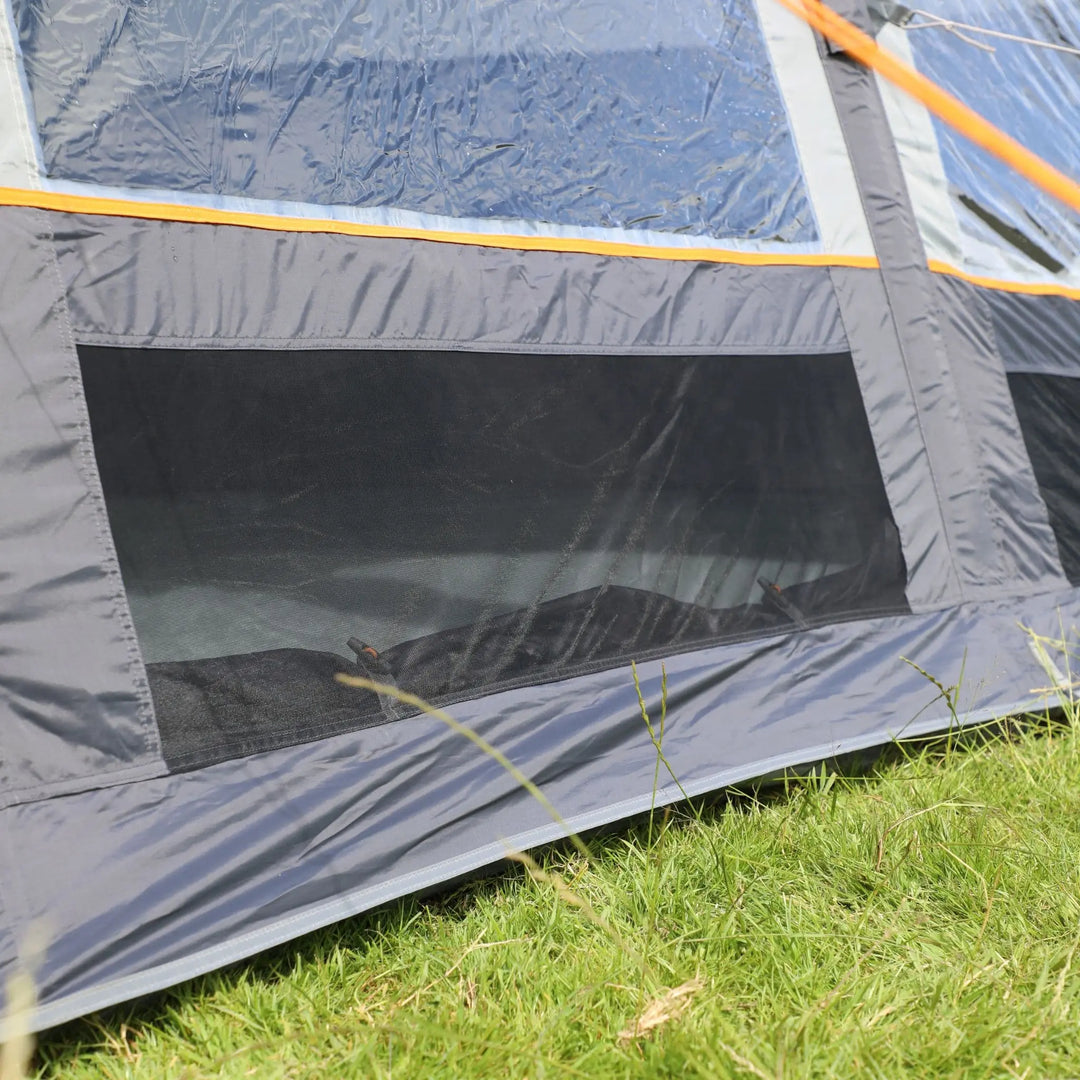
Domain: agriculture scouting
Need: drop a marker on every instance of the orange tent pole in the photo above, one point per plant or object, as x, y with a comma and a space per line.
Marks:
940, 102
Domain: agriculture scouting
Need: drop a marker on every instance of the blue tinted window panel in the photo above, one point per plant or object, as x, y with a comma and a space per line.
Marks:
628, 115
1031, 93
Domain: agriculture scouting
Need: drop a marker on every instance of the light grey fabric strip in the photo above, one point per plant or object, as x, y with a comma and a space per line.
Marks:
920, 157
18, 142
169, 284
9, 952
815, 127
74, 703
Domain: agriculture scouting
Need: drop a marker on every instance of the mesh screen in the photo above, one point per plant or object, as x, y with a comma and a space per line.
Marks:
1048, 408
477, 521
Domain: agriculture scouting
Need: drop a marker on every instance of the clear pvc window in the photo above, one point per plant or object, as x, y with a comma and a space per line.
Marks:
633, 115
1030, 92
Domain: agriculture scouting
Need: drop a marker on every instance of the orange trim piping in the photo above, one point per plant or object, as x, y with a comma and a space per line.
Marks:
940, 102
148, 211
1031, 288
154, 211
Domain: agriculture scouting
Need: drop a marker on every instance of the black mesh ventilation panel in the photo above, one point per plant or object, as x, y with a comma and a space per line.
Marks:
459, 523
1048, 408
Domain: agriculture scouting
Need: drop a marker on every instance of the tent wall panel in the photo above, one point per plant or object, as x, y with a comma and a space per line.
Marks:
74, 701
1019, 515
815, 127
159, 419
918, 346
989, 556
912, 128
974, 214
169, 284
209, 866
1039, 341
898, 437
9, 920
18, 146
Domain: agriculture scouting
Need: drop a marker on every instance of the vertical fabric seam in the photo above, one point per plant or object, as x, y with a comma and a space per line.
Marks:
87, 466
897, 519
813, 134
826, 58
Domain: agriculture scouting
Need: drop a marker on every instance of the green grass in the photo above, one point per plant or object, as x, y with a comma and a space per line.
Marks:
922, 919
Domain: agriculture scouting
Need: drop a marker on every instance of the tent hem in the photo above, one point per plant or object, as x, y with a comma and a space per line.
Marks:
359, 901
77, 785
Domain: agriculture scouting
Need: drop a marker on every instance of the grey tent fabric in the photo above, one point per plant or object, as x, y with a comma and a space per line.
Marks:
436, 406
386, 294
9, 957
73, 693
909, 294
904, 458
1028, 551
